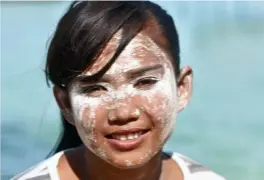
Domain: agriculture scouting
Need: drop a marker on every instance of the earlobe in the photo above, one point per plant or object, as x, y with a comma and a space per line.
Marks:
63, 102
185, 83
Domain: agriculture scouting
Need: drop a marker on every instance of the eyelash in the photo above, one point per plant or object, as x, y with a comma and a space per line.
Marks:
146, 82
93, 89
143, 83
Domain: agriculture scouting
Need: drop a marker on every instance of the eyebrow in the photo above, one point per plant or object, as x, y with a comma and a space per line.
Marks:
130, 74
140, 71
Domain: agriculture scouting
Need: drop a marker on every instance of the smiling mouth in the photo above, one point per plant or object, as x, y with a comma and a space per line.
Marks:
127, 140
123, 136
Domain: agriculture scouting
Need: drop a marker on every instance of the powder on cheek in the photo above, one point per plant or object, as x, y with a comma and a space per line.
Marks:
85, 109
165, 109
85, 120
162, 103
168, 89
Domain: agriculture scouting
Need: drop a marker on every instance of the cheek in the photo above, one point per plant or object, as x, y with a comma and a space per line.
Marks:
91, 117
158, 105
88, 113
161, 107
85, 122
89, 124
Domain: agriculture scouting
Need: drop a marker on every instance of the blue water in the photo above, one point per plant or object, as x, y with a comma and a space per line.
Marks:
223, 125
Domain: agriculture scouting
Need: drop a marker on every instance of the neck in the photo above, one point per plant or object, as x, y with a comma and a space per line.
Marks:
98, 169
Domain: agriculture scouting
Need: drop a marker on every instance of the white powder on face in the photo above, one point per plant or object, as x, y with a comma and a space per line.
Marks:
162, 110
167, 87
128, 163
85, 122
121, 67
101, 153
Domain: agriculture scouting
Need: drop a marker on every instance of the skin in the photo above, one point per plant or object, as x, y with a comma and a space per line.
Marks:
141, 79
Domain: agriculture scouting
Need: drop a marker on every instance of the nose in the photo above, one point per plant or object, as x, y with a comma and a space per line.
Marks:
123, 114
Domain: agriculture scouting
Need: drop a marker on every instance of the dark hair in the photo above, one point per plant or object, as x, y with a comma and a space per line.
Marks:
83, 32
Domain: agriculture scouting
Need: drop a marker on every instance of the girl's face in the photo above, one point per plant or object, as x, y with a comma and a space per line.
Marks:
126, 117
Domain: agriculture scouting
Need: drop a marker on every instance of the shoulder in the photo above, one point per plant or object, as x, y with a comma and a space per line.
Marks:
37, 172
41, 171
194, 170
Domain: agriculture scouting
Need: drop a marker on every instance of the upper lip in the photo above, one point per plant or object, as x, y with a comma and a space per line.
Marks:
127, 131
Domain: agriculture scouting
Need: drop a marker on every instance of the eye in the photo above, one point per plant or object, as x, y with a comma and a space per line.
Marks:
146, 83
94, 90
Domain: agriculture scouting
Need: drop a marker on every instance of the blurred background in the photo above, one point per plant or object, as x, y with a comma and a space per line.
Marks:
223, 126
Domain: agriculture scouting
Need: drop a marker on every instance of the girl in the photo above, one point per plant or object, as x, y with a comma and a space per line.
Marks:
115, 67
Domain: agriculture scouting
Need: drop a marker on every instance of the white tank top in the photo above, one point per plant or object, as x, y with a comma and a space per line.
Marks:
47, 169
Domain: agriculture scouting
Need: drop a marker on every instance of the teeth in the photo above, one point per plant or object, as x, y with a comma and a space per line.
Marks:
123, 138
127, 137
130, 136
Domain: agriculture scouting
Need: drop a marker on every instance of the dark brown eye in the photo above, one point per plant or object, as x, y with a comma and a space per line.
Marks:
145, 83
95, 90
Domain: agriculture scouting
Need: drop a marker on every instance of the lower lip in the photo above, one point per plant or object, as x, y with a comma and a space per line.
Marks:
127, 145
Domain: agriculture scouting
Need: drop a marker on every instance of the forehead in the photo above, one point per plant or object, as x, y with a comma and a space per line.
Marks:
141, 51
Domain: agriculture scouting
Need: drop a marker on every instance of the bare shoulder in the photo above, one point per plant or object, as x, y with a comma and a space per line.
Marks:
195, 170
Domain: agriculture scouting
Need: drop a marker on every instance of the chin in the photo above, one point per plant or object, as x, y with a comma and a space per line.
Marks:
132, 159
128, 160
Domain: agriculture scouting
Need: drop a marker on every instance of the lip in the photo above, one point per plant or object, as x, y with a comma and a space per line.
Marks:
130, 144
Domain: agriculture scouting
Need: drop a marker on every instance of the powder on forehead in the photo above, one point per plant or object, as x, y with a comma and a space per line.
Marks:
138, 51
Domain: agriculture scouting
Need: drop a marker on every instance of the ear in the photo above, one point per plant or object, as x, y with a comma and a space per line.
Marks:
62, 98
184, 83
